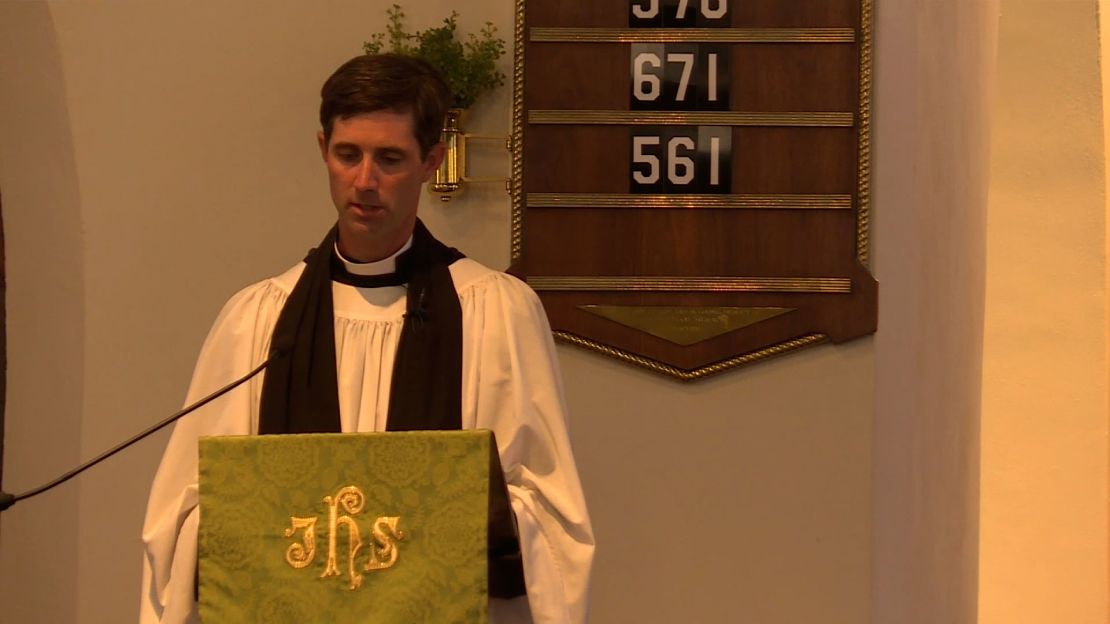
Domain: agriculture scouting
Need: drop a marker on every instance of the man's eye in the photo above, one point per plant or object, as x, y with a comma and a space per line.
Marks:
348, 157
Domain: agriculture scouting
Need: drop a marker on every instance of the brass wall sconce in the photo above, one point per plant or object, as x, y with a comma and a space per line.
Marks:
453, 172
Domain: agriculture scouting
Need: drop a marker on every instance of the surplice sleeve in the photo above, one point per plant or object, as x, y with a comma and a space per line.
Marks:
237, 342
514, 388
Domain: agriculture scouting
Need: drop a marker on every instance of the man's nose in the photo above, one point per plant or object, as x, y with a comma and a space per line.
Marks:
366, 178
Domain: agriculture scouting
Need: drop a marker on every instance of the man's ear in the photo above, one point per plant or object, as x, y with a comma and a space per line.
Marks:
434, 159
322, 143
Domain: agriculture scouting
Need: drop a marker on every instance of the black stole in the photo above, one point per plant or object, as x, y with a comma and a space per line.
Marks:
300, 392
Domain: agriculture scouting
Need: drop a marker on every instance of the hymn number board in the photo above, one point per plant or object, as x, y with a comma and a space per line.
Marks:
691, 177
680, 76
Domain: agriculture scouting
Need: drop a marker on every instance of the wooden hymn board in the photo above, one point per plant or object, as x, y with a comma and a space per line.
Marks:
691, 177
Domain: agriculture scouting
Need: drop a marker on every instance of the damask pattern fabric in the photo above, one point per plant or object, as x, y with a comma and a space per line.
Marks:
267, 536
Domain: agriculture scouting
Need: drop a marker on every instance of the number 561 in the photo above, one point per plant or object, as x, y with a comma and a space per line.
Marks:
681, 159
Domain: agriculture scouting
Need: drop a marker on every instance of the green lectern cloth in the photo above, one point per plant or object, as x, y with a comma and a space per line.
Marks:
280, 516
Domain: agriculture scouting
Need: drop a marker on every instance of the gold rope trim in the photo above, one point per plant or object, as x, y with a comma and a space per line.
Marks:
738, 202
516, 176
698, 373
692, 118
542, 34
863, 218
691, 284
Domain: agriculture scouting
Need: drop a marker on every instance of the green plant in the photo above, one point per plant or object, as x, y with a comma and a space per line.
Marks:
469, 67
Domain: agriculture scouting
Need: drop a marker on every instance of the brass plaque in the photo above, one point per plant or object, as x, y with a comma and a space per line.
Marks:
691, 178
684, 326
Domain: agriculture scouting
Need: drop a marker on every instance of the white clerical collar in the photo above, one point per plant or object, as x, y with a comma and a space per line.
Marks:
378, 267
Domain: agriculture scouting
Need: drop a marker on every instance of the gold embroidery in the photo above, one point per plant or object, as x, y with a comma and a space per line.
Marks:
352, 500
299, 555
383, 541
383, 549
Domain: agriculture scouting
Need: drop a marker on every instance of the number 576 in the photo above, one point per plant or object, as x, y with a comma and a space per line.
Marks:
710, 9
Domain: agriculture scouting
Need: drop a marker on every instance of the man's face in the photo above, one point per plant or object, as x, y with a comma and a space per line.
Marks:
376, 173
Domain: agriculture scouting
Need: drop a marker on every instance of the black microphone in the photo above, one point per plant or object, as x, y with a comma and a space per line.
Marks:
417, 311
279, 349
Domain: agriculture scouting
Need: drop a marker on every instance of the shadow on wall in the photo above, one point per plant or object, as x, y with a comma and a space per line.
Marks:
44, 248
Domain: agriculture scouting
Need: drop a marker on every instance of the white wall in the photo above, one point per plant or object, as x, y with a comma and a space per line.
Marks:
1045, 418
167, 148
45, 311
740, 498
934, 78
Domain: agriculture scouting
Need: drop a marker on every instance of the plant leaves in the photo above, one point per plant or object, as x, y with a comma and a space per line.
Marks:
470, 67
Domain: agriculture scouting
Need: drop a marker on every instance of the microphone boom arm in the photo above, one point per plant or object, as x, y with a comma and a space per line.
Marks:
7, 500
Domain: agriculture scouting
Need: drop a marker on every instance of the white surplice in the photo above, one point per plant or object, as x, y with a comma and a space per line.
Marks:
510, 385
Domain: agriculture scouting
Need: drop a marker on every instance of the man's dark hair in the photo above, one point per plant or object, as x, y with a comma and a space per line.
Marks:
373, 82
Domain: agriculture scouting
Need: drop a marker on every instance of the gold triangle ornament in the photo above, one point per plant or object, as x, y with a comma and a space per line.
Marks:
684, 325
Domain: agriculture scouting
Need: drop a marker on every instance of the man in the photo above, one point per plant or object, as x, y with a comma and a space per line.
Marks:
420, 337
